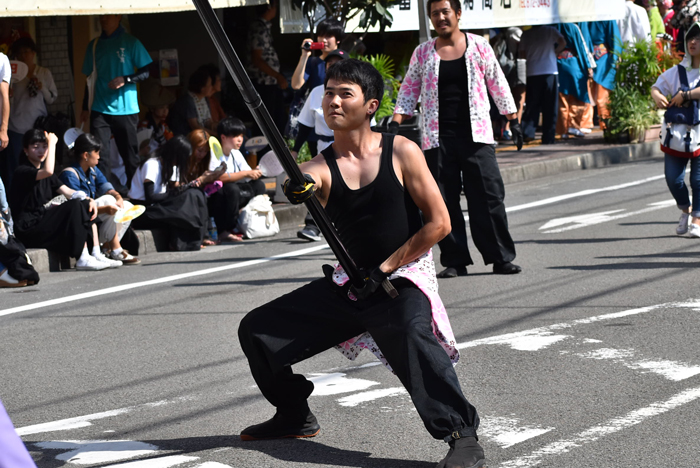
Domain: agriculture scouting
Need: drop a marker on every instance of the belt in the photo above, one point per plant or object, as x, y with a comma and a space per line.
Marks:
325, 138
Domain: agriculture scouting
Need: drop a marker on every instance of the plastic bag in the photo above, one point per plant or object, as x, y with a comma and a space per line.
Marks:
258, 218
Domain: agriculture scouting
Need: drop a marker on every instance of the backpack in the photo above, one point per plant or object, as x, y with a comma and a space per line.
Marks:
680, 132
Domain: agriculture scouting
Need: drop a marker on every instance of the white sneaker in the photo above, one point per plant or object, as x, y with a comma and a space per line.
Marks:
694, 230
576, 132
90, 264
682, 227
108, 261
585, 130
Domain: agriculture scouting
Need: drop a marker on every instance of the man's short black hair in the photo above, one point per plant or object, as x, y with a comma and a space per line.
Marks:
456, 6
198, 80
330, 27
231, 127
360, 73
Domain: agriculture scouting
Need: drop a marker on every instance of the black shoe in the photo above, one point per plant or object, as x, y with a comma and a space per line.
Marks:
310, 233
282, 426
506, 268
464, 453
453, 272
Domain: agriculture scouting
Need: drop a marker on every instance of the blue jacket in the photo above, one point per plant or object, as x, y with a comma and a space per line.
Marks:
94, 184
607, 33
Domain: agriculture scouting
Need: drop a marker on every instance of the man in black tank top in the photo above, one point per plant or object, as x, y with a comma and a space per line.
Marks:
452, 74
372, 186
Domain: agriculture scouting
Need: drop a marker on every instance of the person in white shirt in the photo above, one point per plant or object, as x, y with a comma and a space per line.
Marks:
172, 205
5, 75
30, 96
539, 46
634, 26
240, 182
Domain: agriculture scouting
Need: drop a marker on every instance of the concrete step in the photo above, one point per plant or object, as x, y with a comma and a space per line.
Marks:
289, 217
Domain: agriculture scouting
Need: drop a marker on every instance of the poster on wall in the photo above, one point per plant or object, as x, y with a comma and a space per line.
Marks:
169, 67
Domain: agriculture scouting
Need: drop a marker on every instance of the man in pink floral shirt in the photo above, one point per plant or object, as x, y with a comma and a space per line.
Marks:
452, 75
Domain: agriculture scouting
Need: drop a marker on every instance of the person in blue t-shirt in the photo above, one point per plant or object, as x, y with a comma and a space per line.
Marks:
121, 61
311, 71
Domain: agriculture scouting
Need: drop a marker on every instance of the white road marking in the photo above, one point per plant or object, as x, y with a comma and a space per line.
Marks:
583, 193
333, 384
160, 462
609, 427
672, 370
212, 464
545, 333
364, 397
166, 279
92, 452
84, 421
598, 218
585, 219
507, 432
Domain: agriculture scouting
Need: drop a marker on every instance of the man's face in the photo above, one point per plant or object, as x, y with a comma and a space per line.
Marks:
110, 23
445, 20
344, 106
330, 43
26, 55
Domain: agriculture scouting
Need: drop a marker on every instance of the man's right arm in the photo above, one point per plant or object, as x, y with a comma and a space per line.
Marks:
261, 64
409, 92
560, 43
5, 117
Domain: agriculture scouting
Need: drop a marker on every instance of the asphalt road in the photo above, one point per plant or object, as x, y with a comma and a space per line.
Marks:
587, 358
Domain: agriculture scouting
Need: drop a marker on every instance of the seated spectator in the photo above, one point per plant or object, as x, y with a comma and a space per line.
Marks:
171, 204
158, 101
191, 111
44, 222
30, 96
86, 176
240, 182
217, 112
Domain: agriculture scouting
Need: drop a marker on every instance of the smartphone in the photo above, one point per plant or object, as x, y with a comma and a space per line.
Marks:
313, 45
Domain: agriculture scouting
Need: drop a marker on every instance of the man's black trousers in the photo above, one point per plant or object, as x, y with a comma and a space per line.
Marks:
319, 316
123, 127
542, 95
459, 163
225, 204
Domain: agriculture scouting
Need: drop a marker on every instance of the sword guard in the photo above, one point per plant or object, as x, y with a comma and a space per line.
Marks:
390, 289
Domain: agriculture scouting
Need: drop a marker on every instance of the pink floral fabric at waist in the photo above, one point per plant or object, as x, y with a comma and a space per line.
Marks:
420, 272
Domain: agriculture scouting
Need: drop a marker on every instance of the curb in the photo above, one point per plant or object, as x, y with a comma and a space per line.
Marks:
594, 159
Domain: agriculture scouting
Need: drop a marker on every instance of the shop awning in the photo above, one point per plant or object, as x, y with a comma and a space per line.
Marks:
103, 7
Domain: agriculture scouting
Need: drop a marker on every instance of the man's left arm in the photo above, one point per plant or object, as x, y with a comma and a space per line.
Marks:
423, 189
141, 60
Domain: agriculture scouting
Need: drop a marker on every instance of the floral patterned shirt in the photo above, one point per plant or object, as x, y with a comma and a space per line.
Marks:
483, 73
260, 37
420, 272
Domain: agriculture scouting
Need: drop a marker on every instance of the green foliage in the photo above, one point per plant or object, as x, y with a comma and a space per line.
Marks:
631, 107
385, 65
371, 12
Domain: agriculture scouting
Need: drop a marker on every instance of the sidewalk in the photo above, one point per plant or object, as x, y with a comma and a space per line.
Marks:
532, 162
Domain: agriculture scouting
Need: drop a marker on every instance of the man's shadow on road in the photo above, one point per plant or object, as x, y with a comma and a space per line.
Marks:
286, 451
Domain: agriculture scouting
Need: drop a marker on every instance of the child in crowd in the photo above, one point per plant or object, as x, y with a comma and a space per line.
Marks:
171, 203
158, 100
44, 222
86, 176
241, 182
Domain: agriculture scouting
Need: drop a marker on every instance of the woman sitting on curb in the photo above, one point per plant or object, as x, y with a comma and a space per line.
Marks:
171, 203
86, 176
45, 223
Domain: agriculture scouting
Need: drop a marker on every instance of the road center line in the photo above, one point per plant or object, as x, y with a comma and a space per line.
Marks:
609, 427
166, 279
583, 193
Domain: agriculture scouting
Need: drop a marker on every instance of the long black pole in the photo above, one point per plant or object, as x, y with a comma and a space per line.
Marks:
269, 129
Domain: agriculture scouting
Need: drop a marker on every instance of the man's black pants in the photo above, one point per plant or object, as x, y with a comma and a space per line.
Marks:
459, 163
318, 316
123, 127
542, 95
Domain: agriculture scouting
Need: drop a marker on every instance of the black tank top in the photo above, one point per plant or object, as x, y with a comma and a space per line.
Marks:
375, 220
453, 98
